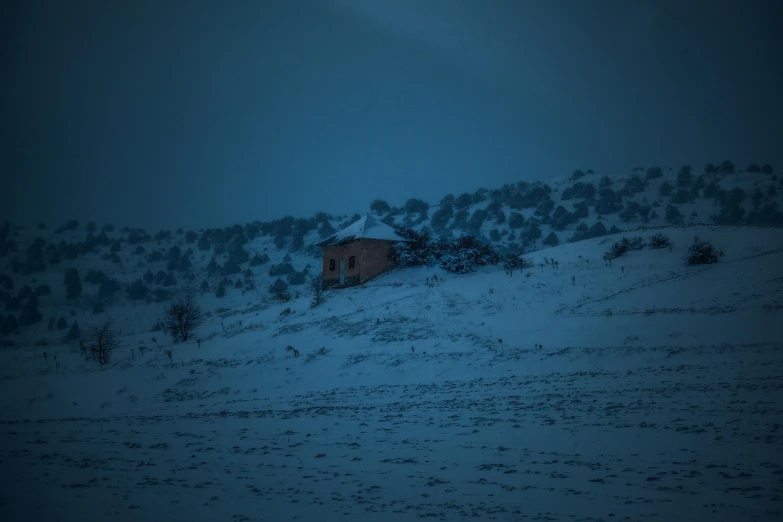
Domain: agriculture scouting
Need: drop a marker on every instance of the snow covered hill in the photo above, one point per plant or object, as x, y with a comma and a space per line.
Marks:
130, 275
570, 391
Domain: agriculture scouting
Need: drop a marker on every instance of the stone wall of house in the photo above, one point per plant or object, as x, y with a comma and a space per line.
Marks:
332, 277
375, 258
372, 259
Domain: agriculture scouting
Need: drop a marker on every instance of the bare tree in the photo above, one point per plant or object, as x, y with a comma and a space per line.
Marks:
102, 341
317, 286
181, 318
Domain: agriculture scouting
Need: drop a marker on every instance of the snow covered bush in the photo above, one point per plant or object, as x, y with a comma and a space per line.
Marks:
625, 245
702, 253
660, 241
466, 254
513, 261
460, 256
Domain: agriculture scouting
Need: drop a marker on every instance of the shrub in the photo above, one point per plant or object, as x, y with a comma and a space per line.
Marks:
279, 291
660, 241
108, 288
280, 241
766, 215
102, 341
9, 325
681, 196
551, 240
316, 285
30, 313
73, 283
95, 277
281, 269
380, 206
460, 256
137, 291
579, 190
531, 232
609, 202
297, 243
515, 262
466, 254
325, 230
98, 307
580, 210
161, 294
476, 220
625, 245
731, 213
684, 176
230, 268
673, 215
463, 201
598, 229
654, 172
727, 167
221, 290
516, 220
416, 206
665, 189
633, 185
73, 333
702, 253
25, 293
629, 212
441, 217
259, 259
181, 318
296, 278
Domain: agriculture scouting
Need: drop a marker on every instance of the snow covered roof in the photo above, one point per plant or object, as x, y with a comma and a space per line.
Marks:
366, 228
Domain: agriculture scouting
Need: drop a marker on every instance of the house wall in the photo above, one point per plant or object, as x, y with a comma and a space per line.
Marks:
372, 259
375, 258
338, 252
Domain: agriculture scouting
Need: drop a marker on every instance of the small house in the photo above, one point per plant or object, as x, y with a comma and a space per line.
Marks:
357, 253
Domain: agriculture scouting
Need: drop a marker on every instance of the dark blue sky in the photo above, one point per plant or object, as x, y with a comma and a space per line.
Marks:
202, 113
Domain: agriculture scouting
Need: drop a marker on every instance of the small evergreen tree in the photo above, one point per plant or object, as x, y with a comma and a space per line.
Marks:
551, 240
30, 313
73, 283
137, 291
73, 334
279, 291
9, 325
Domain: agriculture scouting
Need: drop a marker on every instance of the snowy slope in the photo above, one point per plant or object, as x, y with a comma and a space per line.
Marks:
648, 389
